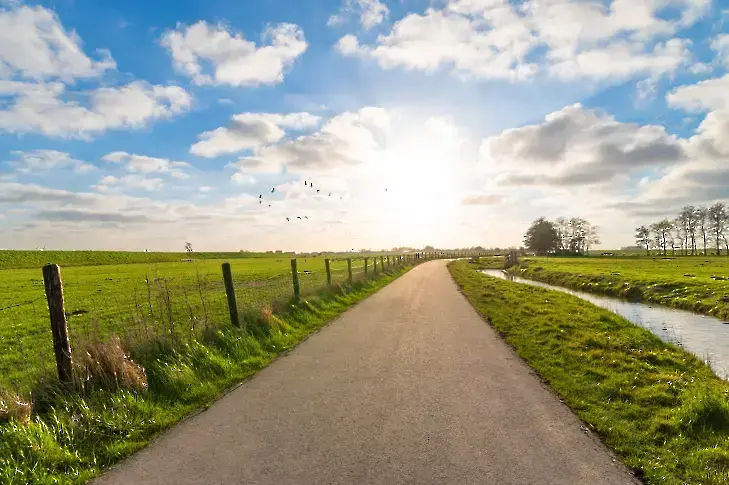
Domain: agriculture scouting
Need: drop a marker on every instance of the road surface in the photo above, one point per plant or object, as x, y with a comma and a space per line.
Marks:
409, 386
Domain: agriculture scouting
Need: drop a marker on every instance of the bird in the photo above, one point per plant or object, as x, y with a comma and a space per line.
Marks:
260, 196
306, 183
306, 217
385, 189
298, 217
273, 190
269, 205
288, 219
311, 184
330, 194
318, 190
260, 202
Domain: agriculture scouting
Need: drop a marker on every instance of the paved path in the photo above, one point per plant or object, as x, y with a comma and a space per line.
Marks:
410, 386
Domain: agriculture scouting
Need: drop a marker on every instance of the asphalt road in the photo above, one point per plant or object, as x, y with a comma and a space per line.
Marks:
410, 386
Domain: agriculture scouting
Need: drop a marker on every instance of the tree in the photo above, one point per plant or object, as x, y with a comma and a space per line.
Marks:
591, 237
188, 247
701, 216
542, 237
662, 232
690, 222
718, 220
643, 238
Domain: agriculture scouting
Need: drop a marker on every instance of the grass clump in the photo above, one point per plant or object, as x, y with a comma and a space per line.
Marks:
14, 407
660, 408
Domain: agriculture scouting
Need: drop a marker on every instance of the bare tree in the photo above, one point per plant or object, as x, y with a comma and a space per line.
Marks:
662, 232
591, 237
643, 238
701, 217
690, 221
188, 247
718, 221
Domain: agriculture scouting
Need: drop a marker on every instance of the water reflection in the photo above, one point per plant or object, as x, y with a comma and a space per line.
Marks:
704, 336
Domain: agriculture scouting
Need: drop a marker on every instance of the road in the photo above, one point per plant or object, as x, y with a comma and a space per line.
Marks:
409, 386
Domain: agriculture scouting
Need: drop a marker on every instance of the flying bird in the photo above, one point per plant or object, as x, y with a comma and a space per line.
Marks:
288, 219
260, 202
330, 194
318, 190
260, 196
306, 217
273, 190
306, 183
298, 217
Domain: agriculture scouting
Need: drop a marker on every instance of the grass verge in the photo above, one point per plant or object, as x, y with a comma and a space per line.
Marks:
72, 437
661, 409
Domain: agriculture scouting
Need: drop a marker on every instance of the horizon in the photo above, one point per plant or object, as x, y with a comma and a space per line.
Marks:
449, 123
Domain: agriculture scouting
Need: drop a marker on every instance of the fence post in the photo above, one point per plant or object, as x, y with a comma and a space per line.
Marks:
365, 267
349, 269
329, 272
382, 263
59, 327
374, 266
388, 263
295, 277
230, 294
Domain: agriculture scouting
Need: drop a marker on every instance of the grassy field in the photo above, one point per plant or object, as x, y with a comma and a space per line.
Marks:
661, 409
699, 283
129, 299
73, 435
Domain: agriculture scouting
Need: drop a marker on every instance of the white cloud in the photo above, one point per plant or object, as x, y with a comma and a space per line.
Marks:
35, 45
711, 94
40, 108
345, 140
371, 13
36, 161
233, 59
578, 146
145, 165
482, 199
721, 46
133, 181
498, 39
250, 130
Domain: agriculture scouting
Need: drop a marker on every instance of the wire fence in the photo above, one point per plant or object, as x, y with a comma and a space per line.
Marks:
144, 303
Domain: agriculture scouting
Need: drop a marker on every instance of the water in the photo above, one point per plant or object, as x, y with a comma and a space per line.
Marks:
704, 336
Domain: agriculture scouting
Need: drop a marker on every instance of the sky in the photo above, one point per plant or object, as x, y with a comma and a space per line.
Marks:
349, 124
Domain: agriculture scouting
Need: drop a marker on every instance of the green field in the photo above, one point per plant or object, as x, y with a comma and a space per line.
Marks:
134, 300
660, 408
695, 283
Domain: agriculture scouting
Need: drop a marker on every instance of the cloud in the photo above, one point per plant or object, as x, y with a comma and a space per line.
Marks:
578, 146
85, 215
233, 59
134, 181
16, 193
144, 164
720, 45
710, 94
568, 39
250, 130
371, 13
37, 161
482, 199
36, 46
344, 140
40, 108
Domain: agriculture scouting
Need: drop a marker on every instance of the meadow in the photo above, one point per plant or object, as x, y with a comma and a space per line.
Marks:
134, 300
661, 409
695, 283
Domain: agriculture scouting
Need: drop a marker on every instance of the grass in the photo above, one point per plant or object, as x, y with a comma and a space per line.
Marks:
697, 284
127, 299
660, 408
72, 436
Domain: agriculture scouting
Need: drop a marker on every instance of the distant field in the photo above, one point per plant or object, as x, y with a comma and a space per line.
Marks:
35, 259
696, 283
116, 298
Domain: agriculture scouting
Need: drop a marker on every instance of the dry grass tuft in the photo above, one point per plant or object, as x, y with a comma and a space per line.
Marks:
12, 406
105, 365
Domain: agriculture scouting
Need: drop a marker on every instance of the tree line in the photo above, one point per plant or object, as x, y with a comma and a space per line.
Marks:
573, 236
695, 227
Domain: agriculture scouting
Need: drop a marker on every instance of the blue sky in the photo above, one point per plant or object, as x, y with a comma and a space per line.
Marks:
133, 125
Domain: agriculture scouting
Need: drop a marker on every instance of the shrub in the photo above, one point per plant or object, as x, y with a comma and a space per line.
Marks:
104, 365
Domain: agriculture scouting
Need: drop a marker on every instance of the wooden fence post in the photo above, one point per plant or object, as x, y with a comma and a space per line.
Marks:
365, 267
329, 272
382, 263
295, 278
59, 327
230, 294
388, 263
374, 266
349, 269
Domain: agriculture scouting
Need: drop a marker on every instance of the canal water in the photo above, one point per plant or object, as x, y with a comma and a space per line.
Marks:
704, 336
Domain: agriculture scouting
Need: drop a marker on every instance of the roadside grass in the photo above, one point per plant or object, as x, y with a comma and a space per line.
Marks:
127, 299
696, 283
72, 436
660, 408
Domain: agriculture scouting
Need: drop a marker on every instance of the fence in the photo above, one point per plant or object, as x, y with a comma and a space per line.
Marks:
142, 303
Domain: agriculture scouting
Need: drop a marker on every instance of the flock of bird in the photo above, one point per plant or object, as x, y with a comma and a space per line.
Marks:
307, 183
